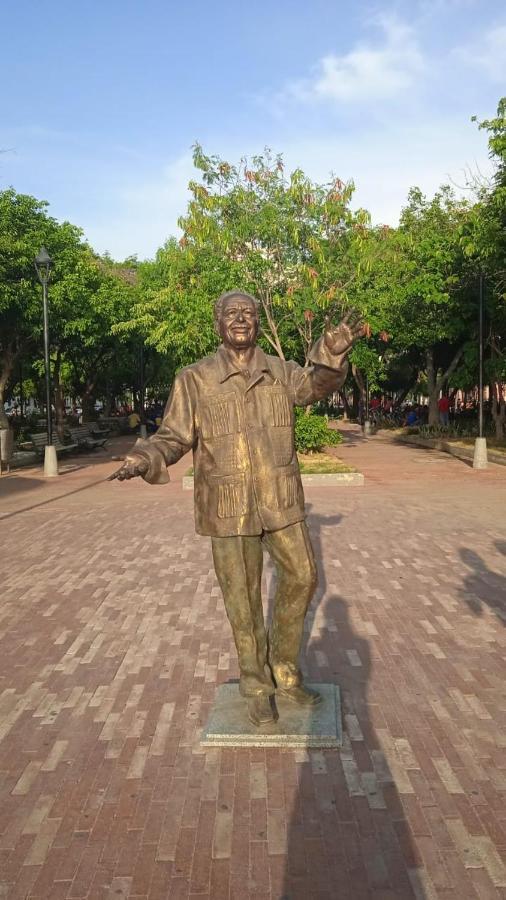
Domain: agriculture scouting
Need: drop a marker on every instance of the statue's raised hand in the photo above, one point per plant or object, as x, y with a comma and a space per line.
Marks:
132, 467
339, 339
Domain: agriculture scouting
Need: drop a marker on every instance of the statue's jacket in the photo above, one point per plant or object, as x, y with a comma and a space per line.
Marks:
241, 430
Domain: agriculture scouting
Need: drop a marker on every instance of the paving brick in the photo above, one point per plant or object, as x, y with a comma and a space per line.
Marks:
119, 622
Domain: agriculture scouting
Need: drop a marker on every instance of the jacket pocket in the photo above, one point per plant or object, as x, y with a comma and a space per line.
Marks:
225, 452
282, 444
219, 415
232, 500
288, 490
281, 409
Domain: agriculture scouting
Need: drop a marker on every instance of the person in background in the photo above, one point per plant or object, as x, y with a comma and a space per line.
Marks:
444, 410
134, 420
412, 417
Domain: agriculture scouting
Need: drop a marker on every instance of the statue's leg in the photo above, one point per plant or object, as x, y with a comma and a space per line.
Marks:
238, 563
291, 550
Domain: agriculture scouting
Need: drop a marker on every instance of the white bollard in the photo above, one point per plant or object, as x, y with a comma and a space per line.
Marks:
480, 460
50, 461
143, 431
367, 427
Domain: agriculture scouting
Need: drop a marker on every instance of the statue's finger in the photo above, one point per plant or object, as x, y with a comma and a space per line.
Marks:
351, 316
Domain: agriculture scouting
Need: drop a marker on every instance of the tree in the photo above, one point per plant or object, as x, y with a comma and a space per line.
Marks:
426, 287
484, 240
87, 296
95, 294
24, 228
294, 244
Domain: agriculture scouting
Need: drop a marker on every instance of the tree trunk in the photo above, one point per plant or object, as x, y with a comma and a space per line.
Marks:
346, 405
88, 407
108, 400
498, 407
59, 401
6, 367
88, 400
435, 384
403, 394
432, 388
358, 393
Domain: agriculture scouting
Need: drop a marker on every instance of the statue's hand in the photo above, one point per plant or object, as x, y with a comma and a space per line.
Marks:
340, 339
133, 465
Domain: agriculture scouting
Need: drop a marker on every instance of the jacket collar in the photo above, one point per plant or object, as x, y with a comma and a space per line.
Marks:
227, 366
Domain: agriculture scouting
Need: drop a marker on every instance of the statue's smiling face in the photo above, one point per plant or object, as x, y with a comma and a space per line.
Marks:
238, 323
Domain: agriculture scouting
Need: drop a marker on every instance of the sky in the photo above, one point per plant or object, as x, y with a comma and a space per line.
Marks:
101, 102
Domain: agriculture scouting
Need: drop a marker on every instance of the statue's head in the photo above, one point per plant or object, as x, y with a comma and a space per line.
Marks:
236, 318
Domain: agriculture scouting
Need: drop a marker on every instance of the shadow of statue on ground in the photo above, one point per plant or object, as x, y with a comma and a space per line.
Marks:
482, 586
347, 833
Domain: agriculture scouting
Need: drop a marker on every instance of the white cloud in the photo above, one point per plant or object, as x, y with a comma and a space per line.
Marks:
146, 212
368, 71
426, 154
488, 53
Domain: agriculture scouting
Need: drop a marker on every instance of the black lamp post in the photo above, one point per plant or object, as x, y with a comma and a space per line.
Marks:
43, 264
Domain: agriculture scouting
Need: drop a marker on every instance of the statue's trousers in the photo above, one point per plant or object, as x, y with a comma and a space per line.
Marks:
267, 661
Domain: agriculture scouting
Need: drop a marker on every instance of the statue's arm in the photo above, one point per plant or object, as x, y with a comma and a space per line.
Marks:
175, 436
329, 363
326, 374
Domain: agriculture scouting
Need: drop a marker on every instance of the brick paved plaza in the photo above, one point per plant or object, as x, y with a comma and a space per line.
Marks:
114, 638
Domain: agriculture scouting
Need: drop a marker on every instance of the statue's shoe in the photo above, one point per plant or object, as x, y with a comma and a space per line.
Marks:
260, 711
301, 695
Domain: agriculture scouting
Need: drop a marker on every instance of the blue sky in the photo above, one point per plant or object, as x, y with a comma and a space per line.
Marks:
101, 101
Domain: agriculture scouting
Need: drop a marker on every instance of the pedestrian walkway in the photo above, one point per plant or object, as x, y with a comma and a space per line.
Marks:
113, 638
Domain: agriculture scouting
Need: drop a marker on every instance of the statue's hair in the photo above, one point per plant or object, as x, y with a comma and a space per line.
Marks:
218, 306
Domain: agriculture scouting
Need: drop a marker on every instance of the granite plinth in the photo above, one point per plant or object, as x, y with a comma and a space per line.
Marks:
298, 726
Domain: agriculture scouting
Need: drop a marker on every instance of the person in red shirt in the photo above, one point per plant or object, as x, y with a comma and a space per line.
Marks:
444, 409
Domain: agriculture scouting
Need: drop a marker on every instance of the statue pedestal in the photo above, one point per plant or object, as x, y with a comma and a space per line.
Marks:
298, 726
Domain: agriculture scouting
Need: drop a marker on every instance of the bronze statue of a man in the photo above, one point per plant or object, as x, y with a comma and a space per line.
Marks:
235, 411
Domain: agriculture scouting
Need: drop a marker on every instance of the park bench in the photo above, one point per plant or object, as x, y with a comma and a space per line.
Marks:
87, 437
39, 442
119, 424
99, 430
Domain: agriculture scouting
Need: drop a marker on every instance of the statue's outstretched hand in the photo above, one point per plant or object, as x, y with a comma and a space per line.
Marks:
339, 339
133, 465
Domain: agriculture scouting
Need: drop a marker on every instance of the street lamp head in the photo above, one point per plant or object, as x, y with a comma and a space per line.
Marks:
43, 263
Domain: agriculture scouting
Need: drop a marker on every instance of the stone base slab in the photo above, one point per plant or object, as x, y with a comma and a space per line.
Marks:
298, 726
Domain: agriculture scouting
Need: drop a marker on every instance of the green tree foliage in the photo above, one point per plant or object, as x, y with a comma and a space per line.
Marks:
87, 296
424, 290
24, 228
484, 241
312, 432
294, 244
300, 248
